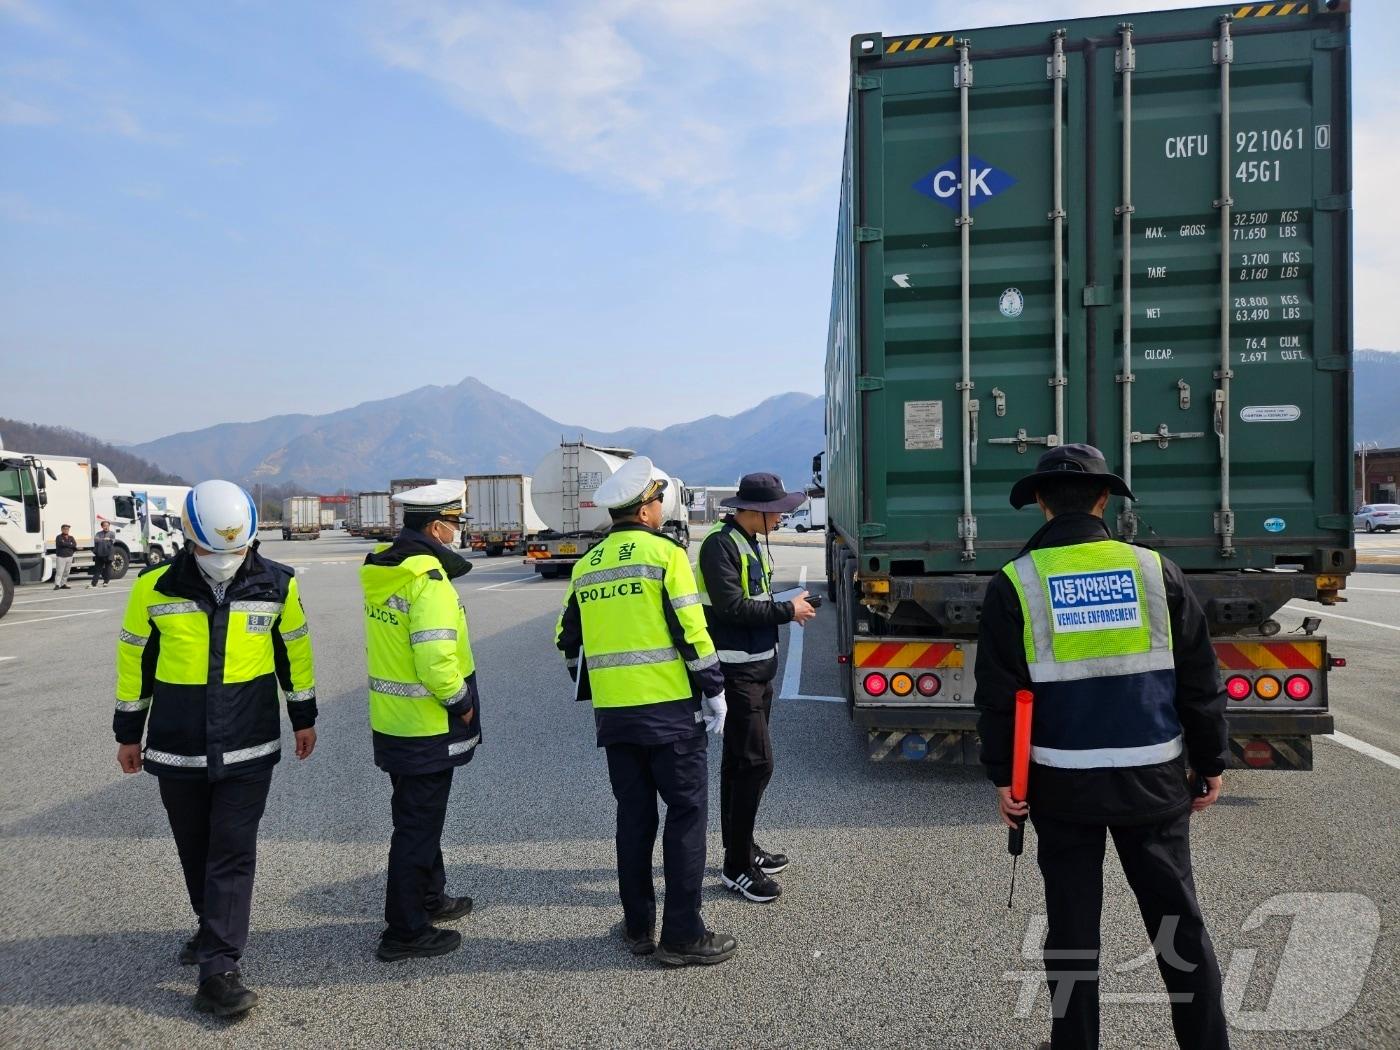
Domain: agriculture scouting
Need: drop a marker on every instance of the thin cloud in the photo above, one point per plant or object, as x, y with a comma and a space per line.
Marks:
14, 111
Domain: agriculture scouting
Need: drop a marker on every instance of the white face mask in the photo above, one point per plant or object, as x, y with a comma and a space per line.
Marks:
221, 567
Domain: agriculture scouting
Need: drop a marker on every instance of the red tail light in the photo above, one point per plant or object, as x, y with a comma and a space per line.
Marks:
929, 684
1298, 688
875, 684
1238, 687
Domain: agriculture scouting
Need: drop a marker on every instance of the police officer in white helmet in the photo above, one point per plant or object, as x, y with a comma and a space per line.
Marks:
207, 639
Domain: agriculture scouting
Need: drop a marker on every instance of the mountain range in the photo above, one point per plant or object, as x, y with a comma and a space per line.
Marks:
446, 431
469, 428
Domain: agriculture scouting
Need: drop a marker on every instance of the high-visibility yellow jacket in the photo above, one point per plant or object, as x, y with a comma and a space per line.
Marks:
633, 610
200, 677
422, 678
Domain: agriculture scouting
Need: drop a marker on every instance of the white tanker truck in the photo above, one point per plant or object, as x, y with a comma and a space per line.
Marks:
562, 493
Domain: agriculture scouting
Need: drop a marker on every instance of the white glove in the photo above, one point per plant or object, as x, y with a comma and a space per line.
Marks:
712, 711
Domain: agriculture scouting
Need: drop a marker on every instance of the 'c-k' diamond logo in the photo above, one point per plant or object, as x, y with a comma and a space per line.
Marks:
944, 184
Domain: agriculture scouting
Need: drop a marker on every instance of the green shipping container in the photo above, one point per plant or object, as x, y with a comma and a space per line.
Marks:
1131, 231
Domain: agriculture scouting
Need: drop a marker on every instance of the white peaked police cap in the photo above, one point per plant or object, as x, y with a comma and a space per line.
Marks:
631, 486
442, 498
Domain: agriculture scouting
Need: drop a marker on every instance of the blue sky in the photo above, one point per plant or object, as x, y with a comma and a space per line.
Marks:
621, 212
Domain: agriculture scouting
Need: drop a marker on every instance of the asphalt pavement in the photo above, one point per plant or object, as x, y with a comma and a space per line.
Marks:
892, 931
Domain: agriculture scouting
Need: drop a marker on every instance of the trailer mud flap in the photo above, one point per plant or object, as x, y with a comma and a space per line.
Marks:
1272, 752
953, 748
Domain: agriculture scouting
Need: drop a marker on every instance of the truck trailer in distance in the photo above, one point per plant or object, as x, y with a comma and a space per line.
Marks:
301, 518
500, 514
1135, 235
375, 521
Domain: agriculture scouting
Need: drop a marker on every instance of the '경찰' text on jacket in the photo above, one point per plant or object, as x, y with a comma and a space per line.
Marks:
200, 677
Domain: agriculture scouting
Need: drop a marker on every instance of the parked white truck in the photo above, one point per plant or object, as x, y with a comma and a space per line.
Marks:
562, 493
376, 522
301, 518
500, 514
23, 501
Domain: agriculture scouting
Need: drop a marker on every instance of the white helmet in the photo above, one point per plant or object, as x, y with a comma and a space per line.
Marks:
220, 516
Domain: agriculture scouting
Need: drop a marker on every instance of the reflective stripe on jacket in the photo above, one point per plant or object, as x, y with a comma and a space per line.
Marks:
633, 609
200, 678
422, 677
736, 590
1097, 638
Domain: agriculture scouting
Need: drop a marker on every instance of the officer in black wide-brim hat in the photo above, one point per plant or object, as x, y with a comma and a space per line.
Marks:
736, 588
1117, 653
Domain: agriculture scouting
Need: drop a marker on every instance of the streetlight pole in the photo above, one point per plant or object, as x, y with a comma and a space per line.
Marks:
1362, 447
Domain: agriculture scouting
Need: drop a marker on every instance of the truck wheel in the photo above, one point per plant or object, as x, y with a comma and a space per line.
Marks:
155, 556
496, 551
800, 528
120, 562
7, 590
286, 534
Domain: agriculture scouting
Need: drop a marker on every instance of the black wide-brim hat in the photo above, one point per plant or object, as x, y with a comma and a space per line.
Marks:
1069, 461
764, 493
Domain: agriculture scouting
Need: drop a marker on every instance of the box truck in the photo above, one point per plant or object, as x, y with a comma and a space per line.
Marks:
500, 514
375, 521
301, 518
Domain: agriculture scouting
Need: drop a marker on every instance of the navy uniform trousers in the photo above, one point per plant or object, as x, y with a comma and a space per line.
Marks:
1156, 859
417, 880
746, 769
215, 825
679, 773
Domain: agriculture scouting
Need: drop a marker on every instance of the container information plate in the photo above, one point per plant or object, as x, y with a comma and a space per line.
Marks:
923, 425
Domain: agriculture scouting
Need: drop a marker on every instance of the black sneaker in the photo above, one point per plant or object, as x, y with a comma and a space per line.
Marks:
224, 995
753, 884
708, 950
642, 944
430, 942
769, 863
450, 909
187, 951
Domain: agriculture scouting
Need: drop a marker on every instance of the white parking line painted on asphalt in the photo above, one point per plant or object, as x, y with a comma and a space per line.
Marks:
4, 658
507, 583
1339, 616
791, 687
58, 616
1370, 750
1376, 590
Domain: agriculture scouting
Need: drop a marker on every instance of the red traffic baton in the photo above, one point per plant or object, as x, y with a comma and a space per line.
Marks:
1020, 777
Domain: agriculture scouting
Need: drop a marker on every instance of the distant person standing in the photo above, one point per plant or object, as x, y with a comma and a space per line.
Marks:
102, 546
65, 546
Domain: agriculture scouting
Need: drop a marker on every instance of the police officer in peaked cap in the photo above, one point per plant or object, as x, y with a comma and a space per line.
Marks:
423, 710
634, 639
1116, 650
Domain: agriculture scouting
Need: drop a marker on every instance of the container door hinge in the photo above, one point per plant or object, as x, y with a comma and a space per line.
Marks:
869, 383
864, 83
871, 529
1333, 202
1334, 521
1098, 295
1334, 363
869, 233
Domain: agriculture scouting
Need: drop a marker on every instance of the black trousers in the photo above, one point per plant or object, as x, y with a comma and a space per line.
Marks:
417, 880
216, 833
1156, 859
679, 773
101, 569
746, 768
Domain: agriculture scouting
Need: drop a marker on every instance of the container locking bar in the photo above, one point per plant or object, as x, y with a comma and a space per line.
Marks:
967, 523
1125, 62
1224, 53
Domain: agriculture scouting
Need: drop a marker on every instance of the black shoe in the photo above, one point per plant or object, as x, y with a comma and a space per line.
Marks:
642, 944
450, 909
769, 863
57, 587
708, 950
187, 952
65, 587
224, 995
430, 942
753, 884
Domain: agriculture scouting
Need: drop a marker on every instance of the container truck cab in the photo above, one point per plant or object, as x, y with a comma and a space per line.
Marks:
1135, 235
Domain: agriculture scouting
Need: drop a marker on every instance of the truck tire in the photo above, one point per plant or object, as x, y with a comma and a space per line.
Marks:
495, 551
800, 528
121, 561
155, 556
286, 534
7, 590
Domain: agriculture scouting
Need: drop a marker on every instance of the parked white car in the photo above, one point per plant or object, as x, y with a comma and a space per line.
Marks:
1378, 517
